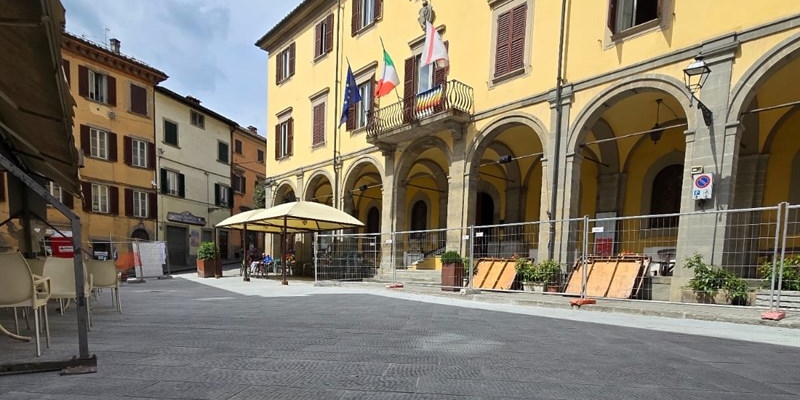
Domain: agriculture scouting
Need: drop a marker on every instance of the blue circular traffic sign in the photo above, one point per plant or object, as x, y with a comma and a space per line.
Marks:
702, 181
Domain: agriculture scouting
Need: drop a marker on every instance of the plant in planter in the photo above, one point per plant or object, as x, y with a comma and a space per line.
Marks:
528, 274
550, 273
790, 277
452, 271
708, 281
208, 262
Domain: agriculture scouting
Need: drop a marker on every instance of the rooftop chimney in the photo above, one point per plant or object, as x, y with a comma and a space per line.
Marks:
193, 100
252, 128
114, 43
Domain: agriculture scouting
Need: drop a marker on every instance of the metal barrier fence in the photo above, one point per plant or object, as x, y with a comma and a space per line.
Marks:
741, 252
142, 259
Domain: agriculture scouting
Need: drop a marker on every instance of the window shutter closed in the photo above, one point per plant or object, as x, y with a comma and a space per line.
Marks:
138, 99
409, 87
68, 201
517, 51
113, 199
112, 147
86, 140
151, 156
612, 16
328, 34
153, 205
291, 59
86, 192
181, 185
279, 67
290, 140
440, 74
112, 90
127, 149
378, 9
350, 122
278, 142
65, 63
501, 58
319, 124
355, 22
128, 202
244, 184
216, 194
230, 197
318, 34
164, 186
83, 81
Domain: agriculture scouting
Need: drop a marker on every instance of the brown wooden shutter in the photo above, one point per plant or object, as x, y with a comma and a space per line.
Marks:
378, 9
112, 147
153, 205
278, 142
112, 90
83, 81
328, 34
318, 135
86, 141
350, 122
86, 191
409, 87
355, 22
517, 50
67, 199
113, 200
138, 99
65, 63
2, 186
129, 202
501, 57
318, 35
278, 67
127, 149
290, 139
612, 16
374, 106
291, 59
151, 156
181, 185
440, 74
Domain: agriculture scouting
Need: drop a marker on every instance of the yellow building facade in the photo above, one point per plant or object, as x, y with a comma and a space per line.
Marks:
547, 111
114, 130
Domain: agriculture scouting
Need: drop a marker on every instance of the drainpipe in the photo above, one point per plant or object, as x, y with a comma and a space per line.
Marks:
557, 141
335, 99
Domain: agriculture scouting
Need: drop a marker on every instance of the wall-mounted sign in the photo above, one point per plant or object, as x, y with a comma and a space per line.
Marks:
702, 185
186, 217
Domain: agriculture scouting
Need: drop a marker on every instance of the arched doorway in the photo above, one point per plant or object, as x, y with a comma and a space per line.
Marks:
140, 234
373, 220
419, 216
666, 197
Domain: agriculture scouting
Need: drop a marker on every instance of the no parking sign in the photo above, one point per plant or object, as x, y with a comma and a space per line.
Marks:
702, 185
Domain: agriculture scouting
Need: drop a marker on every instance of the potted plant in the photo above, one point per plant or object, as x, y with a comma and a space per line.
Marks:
452, 271
708, 281
549, 272
529, 275
208, 262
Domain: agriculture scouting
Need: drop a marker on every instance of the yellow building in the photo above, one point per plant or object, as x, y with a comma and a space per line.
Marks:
249, 160
115, 132
542, 116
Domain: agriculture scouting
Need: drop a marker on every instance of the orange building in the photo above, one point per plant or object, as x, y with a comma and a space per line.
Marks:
248, 172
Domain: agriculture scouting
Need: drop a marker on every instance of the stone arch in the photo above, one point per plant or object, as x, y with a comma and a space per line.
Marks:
140, 232
644, 139
282, 187
314, 181
777, 127
494, 193
593, 110
353, 171
410, 155
674, 157
491, 131
744, 91
609, 152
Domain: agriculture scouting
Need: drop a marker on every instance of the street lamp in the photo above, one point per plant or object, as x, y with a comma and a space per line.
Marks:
694, 77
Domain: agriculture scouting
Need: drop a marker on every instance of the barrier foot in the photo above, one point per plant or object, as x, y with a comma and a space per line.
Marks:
396, 285
580, 302
776, 315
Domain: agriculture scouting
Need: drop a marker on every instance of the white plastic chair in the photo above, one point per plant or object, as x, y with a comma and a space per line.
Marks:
19, 288
61, 272
105, 275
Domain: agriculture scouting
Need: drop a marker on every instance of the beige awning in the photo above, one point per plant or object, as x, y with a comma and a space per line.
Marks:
36, 108
297, 217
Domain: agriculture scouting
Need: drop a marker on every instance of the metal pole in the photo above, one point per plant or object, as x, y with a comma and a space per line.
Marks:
245, 252
471, 251
283, 253
557, 138
316, 251
775, 256
394, 264
783, 253
584, 273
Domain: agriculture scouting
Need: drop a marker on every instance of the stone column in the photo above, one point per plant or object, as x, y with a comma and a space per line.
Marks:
455, 196
714, 147
390, 213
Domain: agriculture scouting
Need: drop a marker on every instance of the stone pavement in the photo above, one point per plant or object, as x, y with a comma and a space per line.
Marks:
191, 338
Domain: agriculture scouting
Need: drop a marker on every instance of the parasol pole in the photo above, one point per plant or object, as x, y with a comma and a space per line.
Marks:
283, 252
245, 251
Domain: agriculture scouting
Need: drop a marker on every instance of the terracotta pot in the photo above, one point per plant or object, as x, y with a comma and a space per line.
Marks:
208, 268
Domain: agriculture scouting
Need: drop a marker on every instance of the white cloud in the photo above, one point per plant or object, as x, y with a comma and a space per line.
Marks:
205, 46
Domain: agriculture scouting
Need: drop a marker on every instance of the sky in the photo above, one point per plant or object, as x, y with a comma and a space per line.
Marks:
206, 47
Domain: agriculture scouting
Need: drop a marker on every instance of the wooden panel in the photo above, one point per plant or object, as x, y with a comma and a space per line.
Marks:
625, 279
574, 285
614, 277
495, 273
600, 279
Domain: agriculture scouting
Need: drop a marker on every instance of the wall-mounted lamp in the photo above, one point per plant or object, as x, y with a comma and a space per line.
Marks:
656, 131
505, 159
694, 77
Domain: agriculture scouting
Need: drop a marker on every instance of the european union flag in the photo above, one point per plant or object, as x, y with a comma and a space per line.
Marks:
351, 94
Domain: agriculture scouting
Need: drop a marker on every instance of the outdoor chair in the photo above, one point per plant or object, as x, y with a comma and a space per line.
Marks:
20, 288
105, 276
61, 272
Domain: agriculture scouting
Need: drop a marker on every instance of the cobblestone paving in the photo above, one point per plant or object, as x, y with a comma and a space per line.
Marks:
179, 339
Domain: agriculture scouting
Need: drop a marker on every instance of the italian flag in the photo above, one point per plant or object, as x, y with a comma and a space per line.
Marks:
390, 79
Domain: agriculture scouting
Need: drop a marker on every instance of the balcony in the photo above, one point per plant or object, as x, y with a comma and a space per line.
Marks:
448, 106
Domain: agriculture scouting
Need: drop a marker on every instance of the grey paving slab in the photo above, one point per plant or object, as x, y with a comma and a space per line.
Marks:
223, 339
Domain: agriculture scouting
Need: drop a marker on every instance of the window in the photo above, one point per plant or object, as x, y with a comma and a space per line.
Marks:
510, 39
140, 203
239, 183
170, 133
666, 196
100, 198
425, 80
99, 143
285, 64
138, 99
98, 86
318, 130
139, 153
237, 146
284, 136
324, 37
222, 152
222, 195
56, 192
197, 119
172, 183
364, 107
260, 155
365, 13
626, 14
